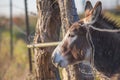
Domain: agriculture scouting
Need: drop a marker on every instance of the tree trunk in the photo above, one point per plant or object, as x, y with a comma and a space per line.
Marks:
68, 16
51, 13
47, 30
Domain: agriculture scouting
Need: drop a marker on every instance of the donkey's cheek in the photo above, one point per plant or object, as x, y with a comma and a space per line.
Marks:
75, 55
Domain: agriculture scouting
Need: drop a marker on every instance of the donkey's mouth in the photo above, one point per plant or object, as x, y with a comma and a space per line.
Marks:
56, 64
60, 64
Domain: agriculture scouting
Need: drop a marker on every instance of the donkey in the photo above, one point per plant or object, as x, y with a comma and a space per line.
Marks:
76, 46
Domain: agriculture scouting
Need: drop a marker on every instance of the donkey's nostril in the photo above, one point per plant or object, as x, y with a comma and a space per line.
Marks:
60, 63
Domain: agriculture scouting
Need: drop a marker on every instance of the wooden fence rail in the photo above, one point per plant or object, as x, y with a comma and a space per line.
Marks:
48, 44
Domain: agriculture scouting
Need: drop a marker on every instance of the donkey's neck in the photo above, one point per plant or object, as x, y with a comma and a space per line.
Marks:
104, 22
107, 56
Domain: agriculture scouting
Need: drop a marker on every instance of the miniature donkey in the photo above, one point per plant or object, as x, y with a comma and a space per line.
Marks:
76, 46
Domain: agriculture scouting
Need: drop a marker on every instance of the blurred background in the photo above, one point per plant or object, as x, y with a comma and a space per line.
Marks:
15, 65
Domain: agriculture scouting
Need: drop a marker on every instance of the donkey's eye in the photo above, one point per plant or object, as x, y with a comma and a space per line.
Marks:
71, 35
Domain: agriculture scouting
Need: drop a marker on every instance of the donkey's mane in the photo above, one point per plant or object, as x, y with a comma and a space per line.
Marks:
109, 21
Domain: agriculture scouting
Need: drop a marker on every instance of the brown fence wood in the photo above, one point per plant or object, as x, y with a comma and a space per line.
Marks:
48, 44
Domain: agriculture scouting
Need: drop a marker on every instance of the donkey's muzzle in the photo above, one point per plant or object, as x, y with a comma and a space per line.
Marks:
57, 59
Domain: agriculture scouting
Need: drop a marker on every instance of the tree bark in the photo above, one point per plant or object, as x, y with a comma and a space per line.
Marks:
51, 14
69, 16
47, 30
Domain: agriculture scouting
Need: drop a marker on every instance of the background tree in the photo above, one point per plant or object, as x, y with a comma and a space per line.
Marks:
51, 15
47, 30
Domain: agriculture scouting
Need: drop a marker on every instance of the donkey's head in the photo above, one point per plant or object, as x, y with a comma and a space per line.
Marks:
75, 46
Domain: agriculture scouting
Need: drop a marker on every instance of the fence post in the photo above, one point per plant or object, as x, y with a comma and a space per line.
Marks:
11, 30
28, 32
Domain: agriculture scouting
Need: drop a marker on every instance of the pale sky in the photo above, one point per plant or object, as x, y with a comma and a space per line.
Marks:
18, 6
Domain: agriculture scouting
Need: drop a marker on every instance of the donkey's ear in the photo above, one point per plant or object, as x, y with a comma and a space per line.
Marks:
88, 8
96, 12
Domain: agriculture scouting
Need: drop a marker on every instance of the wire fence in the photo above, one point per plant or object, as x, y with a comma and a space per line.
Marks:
18, 8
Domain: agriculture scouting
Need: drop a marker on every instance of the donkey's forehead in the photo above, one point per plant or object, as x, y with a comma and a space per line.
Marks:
76, 26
